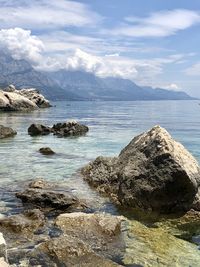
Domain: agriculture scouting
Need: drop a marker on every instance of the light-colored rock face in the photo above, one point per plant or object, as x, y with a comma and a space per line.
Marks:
19, 100
2, 246
152, 172
158, 141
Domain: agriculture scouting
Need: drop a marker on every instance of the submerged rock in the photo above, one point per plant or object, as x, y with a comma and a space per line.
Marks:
70, 128
152, 172
24, 223
71, 251
6, 132
155, 247
46, 151
39, 183
21, 100
38, 129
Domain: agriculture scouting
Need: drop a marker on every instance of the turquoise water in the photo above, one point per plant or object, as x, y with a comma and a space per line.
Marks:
112, 125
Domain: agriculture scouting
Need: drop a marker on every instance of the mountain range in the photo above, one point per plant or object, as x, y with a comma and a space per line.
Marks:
78, 85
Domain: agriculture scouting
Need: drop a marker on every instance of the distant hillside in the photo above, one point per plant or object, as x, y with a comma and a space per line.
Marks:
22, 75
78, 85
89, 86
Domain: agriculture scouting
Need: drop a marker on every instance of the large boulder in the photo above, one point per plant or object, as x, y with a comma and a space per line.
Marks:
46, 151
6, 132
21, 100
152, 172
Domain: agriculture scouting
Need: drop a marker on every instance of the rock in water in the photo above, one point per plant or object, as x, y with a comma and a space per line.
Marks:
35, 96
21, 100
6, 132
46, 151
38, 129
153, 171
70, 128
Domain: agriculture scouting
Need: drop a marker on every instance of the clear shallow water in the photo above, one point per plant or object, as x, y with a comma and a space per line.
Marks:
112, 125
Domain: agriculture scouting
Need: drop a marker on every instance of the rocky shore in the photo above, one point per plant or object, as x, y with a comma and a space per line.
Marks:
154, 183
12, 99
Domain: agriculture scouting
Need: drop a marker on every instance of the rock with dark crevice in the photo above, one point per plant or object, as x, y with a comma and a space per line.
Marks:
152, 172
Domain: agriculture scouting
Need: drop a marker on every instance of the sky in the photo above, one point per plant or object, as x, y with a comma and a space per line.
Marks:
153, 43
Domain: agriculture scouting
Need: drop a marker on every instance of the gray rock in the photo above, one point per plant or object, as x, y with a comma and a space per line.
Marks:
6, 132
38, 129
70, 128
50, 200
46, 151
39, 183
152, 172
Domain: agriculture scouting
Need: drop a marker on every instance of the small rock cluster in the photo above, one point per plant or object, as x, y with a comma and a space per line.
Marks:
66, 129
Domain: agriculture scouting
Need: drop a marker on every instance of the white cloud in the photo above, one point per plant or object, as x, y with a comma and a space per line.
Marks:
46, 14
172, 86
194, 70
21, 44
160, 24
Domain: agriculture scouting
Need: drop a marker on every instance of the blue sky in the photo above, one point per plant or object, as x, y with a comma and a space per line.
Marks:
151, 42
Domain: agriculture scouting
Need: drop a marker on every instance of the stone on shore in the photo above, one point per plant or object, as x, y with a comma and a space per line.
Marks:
6, 132
46, 151
38, 129
21, 100
3, 263
152, 172
50, 201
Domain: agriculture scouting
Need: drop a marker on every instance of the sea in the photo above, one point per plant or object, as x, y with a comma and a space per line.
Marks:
112, 125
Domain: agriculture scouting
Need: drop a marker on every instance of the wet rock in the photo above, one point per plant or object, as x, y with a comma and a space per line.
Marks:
39, 184
46, 151
70, 128
71, 251
35, 96
183, 226
38, 129
24, 223
155, 247
101, 231
6, 132
152, 172
50, 200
